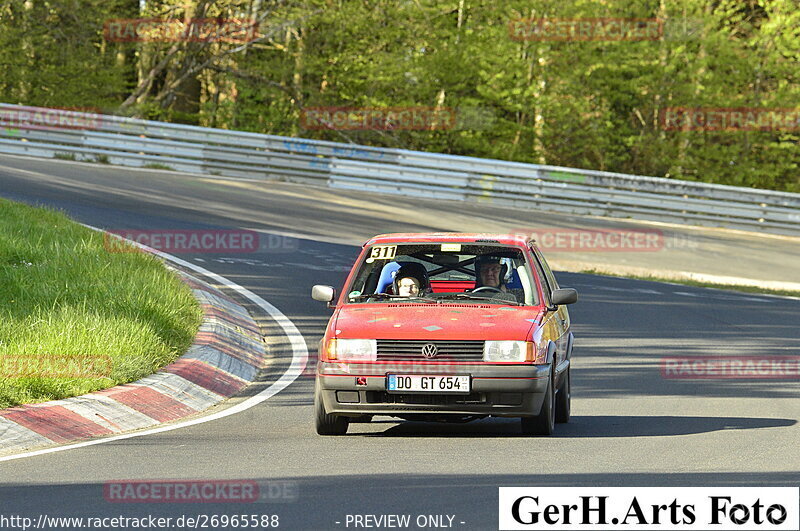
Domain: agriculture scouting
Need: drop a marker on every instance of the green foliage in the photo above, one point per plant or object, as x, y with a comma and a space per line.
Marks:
52, 53
590, 104
157, 166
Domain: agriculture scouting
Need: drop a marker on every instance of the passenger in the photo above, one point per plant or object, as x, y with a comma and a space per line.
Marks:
490, 272
408, 287
411, 280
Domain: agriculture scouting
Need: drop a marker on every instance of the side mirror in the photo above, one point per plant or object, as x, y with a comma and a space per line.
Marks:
323, 293
564, 296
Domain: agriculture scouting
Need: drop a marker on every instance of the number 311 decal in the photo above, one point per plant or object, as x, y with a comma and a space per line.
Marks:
382, 252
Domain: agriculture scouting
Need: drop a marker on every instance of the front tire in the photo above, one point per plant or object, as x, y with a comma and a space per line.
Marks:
544, 422
327, 424
563, 399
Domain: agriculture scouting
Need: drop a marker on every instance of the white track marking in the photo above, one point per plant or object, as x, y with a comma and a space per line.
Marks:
299, 360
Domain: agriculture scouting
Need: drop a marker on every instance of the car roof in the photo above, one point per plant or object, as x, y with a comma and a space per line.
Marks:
460, 237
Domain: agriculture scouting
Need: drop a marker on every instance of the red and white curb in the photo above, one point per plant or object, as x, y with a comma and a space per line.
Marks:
226, 356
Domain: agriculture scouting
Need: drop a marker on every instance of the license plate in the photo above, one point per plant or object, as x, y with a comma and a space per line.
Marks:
401, 383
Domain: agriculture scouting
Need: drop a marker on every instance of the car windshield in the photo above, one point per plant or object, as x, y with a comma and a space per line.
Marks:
436, 272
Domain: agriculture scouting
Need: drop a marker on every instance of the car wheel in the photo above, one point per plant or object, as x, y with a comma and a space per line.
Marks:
544, 422
327, 424
563, 399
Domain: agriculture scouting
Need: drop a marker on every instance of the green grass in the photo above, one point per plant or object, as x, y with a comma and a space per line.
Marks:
157, 166
66, 301
701, 284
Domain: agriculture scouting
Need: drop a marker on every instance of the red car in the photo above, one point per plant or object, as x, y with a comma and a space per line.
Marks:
446, 326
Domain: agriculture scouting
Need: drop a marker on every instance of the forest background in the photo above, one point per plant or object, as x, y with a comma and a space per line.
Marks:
595, 103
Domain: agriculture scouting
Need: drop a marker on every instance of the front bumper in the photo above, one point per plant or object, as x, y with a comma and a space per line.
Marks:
497, 390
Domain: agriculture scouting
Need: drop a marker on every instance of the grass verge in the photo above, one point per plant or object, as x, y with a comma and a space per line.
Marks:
158, 166
700, 283
76, 318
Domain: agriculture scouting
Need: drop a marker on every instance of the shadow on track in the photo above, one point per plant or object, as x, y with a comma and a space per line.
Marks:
578, 427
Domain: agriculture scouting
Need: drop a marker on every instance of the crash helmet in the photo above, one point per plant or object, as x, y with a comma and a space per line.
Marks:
411, 269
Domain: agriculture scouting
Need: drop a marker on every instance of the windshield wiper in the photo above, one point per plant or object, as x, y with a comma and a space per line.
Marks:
470, 296
384, 296
364, 296
426, 299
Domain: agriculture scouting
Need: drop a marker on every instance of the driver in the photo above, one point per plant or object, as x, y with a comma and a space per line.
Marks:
490, 272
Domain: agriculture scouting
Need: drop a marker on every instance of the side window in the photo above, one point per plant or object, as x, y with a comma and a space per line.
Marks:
528, 287
540, 272
551, 279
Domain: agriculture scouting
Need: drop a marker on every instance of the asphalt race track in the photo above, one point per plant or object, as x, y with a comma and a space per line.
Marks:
630, 426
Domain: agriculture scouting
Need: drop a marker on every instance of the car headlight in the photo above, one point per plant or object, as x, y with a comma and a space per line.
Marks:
353, 349
516, 351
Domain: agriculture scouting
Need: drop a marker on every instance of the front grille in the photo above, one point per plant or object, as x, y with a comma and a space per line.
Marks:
382, 397
405, 349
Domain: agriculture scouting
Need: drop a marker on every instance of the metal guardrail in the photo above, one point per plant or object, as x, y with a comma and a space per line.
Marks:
238, 154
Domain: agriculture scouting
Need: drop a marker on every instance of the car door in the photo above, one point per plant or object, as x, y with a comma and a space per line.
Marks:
558, 320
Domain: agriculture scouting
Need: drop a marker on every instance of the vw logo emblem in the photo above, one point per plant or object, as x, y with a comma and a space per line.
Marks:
430, 350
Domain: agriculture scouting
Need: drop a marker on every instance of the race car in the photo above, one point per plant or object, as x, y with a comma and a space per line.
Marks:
446, 327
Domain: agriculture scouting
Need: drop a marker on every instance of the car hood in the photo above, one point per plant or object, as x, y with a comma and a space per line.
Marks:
436, 321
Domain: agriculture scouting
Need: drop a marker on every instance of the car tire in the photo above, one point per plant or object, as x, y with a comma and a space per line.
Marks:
563, 399
544, 422
327, 424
